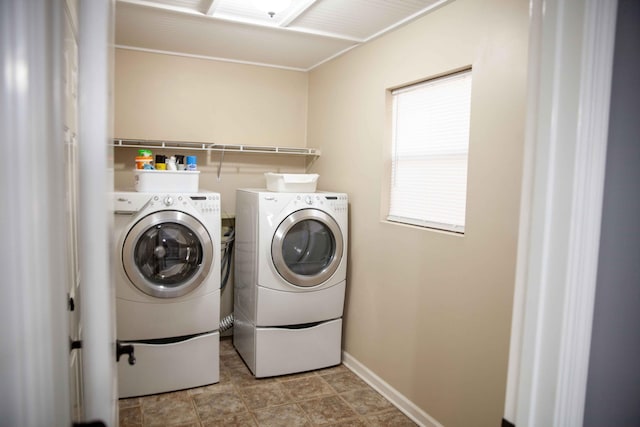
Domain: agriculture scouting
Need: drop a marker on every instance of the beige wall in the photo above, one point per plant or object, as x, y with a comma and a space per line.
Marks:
165, 97
429, 312
179, 98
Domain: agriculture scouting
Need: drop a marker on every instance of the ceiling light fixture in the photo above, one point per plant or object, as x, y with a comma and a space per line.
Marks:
272, 7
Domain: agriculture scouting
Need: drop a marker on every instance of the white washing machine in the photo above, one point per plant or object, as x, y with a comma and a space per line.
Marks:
290, 278
167, 272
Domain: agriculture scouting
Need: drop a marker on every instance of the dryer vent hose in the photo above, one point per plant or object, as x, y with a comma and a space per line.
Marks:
227, 254
226, 323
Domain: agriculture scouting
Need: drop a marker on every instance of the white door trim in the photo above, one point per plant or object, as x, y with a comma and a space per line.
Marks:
95, 58
570, 69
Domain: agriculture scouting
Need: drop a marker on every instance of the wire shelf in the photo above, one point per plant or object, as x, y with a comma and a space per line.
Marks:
313, 153
206, 146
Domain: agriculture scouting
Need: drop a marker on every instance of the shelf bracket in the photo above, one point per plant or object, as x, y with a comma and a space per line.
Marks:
220, 163
308, 167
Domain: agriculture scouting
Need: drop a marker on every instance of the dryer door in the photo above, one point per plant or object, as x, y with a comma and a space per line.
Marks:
167, 254
307, 247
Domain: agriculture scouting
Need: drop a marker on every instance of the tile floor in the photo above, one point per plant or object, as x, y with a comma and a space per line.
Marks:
327, 397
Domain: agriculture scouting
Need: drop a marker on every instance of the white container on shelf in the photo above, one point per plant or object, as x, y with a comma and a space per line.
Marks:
148, 180
291, 182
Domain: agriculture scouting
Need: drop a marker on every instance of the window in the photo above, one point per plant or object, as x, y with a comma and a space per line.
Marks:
430, 145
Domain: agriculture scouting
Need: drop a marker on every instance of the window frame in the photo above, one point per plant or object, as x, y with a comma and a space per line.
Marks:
450, 227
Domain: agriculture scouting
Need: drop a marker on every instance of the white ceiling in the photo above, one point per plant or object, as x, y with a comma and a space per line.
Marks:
301, 37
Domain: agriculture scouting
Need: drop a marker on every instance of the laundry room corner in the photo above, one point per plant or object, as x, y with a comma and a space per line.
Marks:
428, 312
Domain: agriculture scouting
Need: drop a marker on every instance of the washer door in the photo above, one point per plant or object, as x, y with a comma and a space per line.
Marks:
307, 247
167, 254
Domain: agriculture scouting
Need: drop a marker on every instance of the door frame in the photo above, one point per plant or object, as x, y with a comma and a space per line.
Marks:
570, 71
95, 124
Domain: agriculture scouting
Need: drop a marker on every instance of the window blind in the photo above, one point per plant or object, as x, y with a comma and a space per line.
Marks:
430, 145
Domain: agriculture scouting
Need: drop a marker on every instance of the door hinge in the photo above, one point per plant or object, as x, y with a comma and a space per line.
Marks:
125, 349
75, 345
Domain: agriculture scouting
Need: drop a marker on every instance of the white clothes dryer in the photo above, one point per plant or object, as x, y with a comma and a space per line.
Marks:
290, 278
167, 273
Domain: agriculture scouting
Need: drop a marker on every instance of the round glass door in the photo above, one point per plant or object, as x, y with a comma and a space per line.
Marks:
307, 247
167, 254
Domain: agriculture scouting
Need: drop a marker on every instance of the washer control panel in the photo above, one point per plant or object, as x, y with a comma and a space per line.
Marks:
339, 202
206, 203
336, 202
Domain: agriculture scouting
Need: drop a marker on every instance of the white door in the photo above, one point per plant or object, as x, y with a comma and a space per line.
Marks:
40, 373
41, 380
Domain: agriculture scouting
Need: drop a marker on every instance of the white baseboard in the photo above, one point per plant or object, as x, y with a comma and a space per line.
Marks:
409, 408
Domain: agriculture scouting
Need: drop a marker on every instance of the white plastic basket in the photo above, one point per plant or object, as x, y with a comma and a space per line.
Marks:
291, 182
149, 180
